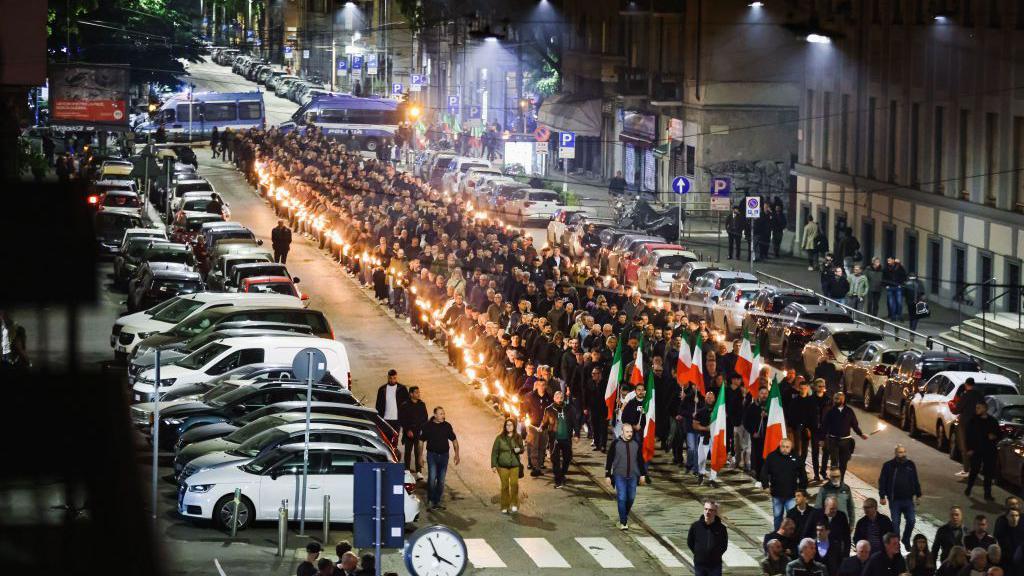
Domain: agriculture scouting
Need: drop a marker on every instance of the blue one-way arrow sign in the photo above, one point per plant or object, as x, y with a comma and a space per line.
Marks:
680, 184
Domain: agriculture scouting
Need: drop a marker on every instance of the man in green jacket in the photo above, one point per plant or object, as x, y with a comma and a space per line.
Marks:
858, 288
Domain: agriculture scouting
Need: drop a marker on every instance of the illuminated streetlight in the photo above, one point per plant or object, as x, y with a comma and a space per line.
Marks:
756, 4
818, 39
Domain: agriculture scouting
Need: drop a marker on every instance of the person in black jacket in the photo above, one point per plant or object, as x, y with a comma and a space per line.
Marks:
802, 512
872, 526
708, 540
982, 437
783, 474
968, 397
898, 483
887, 560
281, 241
831, 551
412, 416
390, 397
734, 225
755, 418
948, 535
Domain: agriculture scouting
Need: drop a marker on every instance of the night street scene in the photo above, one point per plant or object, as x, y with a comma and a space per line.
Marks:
512, 287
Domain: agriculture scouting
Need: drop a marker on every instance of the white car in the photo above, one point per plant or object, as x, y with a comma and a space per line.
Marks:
730, 310
473, 176
120, 201
142, 233
867, 370
277, 476
197, 202
131, 329
532, 204
457, 168
835, 342
706, 290
220, 356
931, 407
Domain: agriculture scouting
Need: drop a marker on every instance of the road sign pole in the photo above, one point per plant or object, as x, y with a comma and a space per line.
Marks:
719, 257
305, 448
156, 431
378, 519
751, 245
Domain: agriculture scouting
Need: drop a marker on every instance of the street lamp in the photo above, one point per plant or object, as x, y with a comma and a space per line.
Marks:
815, 38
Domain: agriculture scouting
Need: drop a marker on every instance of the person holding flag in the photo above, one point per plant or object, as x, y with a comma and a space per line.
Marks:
783, 473
702, 425
611, 389
718, 430
749, 363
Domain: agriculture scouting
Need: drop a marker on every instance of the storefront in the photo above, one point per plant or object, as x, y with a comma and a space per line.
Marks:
639, 138
582, 115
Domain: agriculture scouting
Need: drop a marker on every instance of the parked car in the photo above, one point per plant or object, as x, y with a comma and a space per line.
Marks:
625, 247
274, 285
706, 291
267, 480
243, 271
159, 281
688, 275
768, 302
912, 369
608, 237
867, 369
834, 343
121, 201
223, 267
110, 228
473, 175
186, 225
932, 409
129, 258
532, 205
1010, 461
728, 313
1008, 409
576, 232
630, 264
793, 327
457, 168
659, 267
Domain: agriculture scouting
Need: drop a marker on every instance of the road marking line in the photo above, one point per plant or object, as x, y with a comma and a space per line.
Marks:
735, 557
542, 553
684, 553
604, 552
481, 555
663, 555
219, 569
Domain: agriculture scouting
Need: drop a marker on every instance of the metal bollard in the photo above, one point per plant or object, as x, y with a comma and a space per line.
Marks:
234, 512
282, 528
327, 519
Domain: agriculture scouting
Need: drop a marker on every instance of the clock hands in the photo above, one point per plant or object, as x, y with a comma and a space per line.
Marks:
437, 556
445, 560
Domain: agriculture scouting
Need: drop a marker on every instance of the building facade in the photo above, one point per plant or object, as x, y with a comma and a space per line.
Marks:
912, 135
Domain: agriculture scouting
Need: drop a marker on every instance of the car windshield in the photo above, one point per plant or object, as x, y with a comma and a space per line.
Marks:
231, 265
1013, 414
932, 367
787, 299
544, 196
263, 463
121, 201
202, 357
193, 187
236, 233
195, 224
169, 285
196, 204
232, 396
673, 263
849, 341
253, 446
171, 256
219, 389
890, 356
286, 288
254, 428
109, 223
177, 311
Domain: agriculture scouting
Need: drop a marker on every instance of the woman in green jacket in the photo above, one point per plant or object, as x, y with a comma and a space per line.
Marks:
505, 461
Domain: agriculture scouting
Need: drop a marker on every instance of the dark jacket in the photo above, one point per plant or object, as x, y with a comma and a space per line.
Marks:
945, 538
707, 542
412, 416
982, 436
401, 397
281, 238
898, 480
799, 568
784, 473
863, 531
801, 518
838, 526
851, 566
549, 423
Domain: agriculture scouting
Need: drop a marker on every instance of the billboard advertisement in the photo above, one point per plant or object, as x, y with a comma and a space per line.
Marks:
85, 94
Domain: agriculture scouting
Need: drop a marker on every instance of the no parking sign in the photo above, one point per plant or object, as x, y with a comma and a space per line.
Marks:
753, 204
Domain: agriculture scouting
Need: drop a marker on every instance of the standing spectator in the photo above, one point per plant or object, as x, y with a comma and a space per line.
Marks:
949, 535
919, 560
616, 184
893, 278
776, 559
625, 469
324, 567
778, 227
13, 355
898, 483
954, 563
838, 523
783, 474
412, 416
762, 233
48, 148
872, 526
888, 560
1008, 530
836, 488
978, 563
708, 539
801, 512
214, 141
598, 411
785, 535
559, 423
281, 241
227, 140
830, 550
390, 396
982, 437
734, 224
874, 276
807, 564
979, 537
858, 288
854, 565
436, 435
822, 404
755, 418
810, 242
839, 423
535, 402
847, 249
970, 397
505, 462
308, 566
837, 287
215, 205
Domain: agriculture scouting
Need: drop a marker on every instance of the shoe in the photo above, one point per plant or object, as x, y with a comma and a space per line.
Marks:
700, 480
557, 485
621, 526
535, 473
962, 473
504, 510
514, 509
989, 498
625, 527
419, 475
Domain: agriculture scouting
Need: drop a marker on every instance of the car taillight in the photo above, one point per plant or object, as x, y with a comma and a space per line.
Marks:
93, 199
880, 370
410, 488
918, 375
1009, 431
952, 404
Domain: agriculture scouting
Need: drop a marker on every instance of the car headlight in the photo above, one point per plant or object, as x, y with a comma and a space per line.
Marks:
167, 382
200, 487
144, 335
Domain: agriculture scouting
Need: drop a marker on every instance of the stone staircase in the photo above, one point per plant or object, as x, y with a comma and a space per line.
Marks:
995, 335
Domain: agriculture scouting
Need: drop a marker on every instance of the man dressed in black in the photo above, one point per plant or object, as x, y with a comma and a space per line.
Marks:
281, 240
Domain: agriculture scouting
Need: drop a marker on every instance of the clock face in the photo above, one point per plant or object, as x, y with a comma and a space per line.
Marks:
436, 551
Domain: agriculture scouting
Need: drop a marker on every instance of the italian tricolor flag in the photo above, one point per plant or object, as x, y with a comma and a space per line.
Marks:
636, 376
718, 431
611, 390
684, 362
689, 366
649, 440
749, 363
776, 429
697, 369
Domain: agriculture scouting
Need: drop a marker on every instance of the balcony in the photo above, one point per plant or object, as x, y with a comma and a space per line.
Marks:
668, 89
631, 81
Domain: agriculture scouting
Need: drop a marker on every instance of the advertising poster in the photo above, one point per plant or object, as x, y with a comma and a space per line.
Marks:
84, 94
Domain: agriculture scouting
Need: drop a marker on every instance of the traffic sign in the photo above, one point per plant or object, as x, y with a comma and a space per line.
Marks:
305, 54
371, 64
397, 88
542, 133
417, 79
342, 67
567, 145
309, 362
453, 104
720, 190
288, 52
680, 184
474, 112
753, 204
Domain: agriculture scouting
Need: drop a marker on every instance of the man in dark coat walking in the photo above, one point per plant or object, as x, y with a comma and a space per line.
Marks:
708, 540
281, 240
390, 397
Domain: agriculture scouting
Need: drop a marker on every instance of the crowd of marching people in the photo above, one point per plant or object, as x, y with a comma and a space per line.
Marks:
575, 361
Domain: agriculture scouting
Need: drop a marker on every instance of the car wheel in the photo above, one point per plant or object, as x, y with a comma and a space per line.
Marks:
941, 441
370, 145
912, 422
225, 507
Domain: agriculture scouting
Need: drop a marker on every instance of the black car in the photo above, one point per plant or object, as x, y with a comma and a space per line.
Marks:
110, 227
912, 369
128, 261
157, 282
769, 301
223, 428
177, 419
794, 325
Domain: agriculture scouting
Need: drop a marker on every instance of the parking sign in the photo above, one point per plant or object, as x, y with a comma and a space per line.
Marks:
753, 204
720, 189
397, 88
567, 145
453, 104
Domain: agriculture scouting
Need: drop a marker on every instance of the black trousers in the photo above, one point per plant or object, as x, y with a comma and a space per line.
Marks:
820, 469
599, 425
841, 449
984, 463
678, 443
736, 241
561, 457
280, 256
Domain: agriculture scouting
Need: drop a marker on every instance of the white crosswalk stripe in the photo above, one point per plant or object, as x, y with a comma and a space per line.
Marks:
481, 555
542, 553
735, 557
661, 553
604, 552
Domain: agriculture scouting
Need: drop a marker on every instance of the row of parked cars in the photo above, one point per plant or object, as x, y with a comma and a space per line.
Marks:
253, 68
916, 387
231, 406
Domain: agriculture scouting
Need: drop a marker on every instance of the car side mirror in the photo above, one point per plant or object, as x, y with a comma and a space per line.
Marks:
259, 242
274, 474
295, 280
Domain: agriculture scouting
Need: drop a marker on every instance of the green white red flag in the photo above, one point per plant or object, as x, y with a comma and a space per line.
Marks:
719, 453
749, 363
775, 431
636, 376
611, 390
649, 440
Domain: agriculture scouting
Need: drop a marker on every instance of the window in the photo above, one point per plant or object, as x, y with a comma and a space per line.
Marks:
1017, 162
959, 271
890, 150
939, 128
867, 239
962, 150
915, 112
826, 131
236, 359
844, 132
1013, 280
934, 265
888, 241
342, 463
872, 106
691, 158
183, 112
220, 111
292, 464
933, 384
984, 274
991, 150
910, 252
809, 129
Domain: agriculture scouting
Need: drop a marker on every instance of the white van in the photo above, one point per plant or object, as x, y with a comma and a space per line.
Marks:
130, 330
220, 356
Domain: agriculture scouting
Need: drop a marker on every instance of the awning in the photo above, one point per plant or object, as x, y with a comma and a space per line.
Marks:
571, 113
